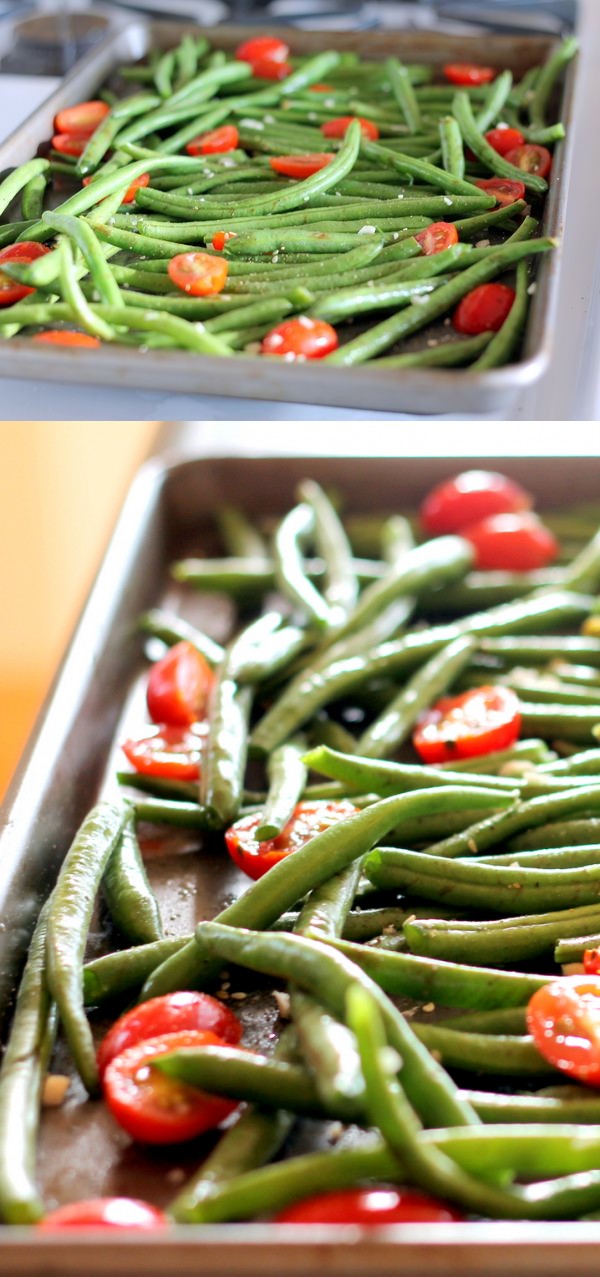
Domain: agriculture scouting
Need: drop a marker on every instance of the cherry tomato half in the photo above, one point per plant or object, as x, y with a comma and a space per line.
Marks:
468, 73
511, 542
171, 1013
468, 497
220, 239
564, 1020
172, 753
437, 237
476, 722
339, 127
369, 1207
531, 159
271, 69
504, 139
154, 1108
179, 686
62, 337
300, 338
309, 819
217, 141
10, 289
591, 961
104, 1212
198, 273
484, 309
505, 191
70, 143
83, 118
263, 46
300, 165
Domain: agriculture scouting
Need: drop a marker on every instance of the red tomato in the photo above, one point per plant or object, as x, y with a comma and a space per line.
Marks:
321, 88
437, 237
10, 289
505, 190
468, 497
300, 165
83, 118
300, 338
224, 139
476, 722
339, 127
171, 1013
104, 1212
154, 1108
531, 159
511, 542
369, 1207
263, 46
271, 69
62, 337
564, 1020
468, 73
169, 752
136, 185
220, 238
198, 273
504, 139
70, 143
484, 309
591, 961
179, 687
309, 819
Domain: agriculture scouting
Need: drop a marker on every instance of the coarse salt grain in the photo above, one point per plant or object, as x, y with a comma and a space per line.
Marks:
532, 289
367, 230
252, 124
283, 1003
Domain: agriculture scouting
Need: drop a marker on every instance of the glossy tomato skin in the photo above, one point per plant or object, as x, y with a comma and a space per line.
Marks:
531, 159
217, 142
171, 1013
220, 239
263, 46
437, 237
468, 73
105, 1212
62, 337
271, 69
309, 819
468, 497
83, 118
300, 166
171, 753
591, 961
477, 722
564, 1020
179, 687
70, 143
26, 251
339, 127
198, 274
369, 1208
300, 338
154, 1108
505, 139
511, 542
505, 190
484, 309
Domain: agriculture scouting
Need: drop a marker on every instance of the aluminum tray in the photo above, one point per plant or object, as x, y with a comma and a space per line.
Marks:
407, 390
168, 513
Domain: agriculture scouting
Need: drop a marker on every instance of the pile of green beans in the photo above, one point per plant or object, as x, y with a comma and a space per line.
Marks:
458, 888
334, 246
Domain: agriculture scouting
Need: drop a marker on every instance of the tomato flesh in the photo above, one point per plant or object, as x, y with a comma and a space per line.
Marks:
104, 1212
476, 722
564, 1020
300, 338
339, 127
369, 1207
11, 290
263, 46
62, 337
468, 497
216, 142
468, 73
220, 239
171, 1013
172, 753
484, 309
198, 274
83, 118
531, 159
504, 139
70, 143
591, 961
511, 542
271, 69
179, 687
308, 820
300, 165
504, 189
154, 1108
437, 237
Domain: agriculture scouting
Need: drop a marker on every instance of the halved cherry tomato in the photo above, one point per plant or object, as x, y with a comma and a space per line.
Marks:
70, 143
468, 497
198, 273
308, 820
171, 1013
477, 722
531, 158
300, 165
369, 1207
104, 1212
225, 138
591, 961
437, 237
564, 1020
339, 127
136, 185
503, 138
271, 69
169, 752
503, 188
179, 686
484, 309
83, 118
511, 542
468, 73
220, 238
263, 46
300, 338
154, 1108
63, 337
26, 251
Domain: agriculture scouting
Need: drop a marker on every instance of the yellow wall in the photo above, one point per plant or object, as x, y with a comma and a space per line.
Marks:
61, 486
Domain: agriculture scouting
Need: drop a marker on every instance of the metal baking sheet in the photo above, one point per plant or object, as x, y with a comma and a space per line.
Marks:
66, 767
363, 387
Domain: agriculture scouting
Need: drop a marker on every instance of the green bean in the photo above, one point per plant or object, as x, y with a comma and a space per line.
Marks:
570, 722
496, 98
132, 904
83, 237
341, 584
510, 1020
524, 816
19, 179
559, 833
249, 577
539, 650
103, 137
501, 761
239, 535
387, 778
287, 778
392, 727
528, 1151
32, 199
552, 858
293, 533
471, 227
547, 78
74, 298
421, 169
448, 354
244, 1075
502, 940
453, 158
482, 1052
174, 629
462, 110
224, 755
159, 786
572, 949
404, 94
